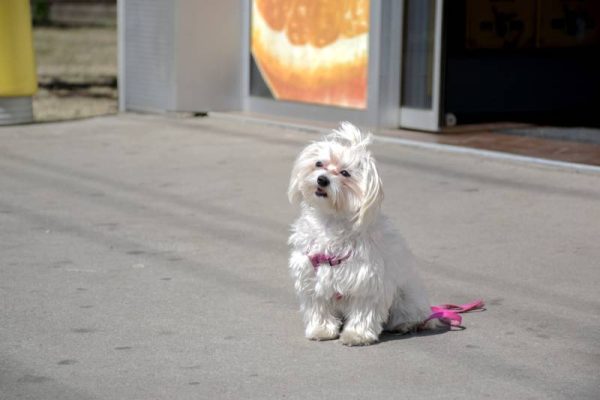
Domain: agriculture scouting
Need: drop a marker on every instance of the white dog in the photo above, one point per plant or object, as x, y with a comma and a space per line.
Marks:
352, 271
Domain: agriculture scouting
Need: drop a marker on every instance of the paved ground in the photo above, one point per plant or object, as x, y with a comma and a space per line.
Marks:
143, 257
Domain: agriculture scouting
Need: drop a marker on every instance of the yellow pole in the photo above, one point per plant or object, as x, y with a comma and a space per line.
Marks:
17, 65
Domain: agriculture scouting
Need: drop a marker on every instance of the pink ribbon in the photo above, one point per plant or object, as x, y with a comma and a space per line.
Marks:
449, 313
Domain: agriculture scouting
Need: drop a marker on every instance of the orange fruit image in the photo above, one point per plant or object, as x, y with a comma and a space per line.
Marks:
313, 51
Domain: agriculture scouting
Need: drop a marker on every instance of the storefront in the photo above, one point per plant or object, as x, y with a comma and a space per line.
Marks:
421, 64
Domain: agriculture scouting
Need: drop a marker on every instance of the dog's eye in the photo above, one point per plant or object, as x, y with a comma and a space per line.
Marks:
345, 173
319, 164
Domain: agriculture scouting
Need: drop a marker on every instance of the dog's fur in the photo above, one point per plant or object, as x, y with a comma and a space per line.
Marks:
377, 287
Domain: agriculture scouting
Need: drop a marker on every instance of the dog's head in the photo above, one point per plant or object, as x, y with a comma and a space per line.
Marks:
338, 175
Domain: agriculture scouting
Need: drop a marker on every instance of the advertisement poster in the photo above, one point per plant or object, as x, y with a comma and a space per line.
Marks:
312, 51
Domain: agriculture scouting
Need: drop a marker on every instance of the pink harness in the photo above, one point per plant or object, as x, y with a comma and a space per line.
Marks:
320, 258
446, 313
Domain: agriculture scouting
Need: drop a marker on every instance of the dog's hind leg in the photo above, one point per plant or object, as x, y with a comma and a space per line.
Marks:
409, 310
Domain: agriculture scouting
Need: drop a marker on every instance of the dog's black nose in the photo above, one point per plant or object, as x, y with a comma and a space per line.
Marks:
323, 181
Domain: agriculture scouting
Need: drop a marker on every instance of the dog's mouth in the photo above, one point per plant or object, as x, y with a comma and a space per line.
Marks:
320, 192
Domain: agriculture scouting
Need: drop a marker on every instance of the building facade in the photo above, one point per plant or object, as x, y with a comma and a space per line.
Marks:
422, 64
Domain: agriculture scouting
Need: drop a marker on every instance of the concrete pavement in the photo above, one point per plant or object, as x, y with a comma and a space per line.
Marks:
144, 257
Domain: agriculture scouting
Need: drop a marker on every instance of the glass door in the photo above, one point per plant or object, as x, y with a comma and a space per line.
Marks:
421, 64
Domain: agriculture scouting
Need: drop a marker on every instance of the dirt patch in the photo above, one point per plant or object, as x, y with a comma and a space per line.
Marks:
77, 72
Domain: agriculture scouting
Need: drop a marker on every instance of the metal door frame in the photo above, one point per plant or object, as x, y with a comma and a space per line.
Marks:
370, 116
424, 119
384, 107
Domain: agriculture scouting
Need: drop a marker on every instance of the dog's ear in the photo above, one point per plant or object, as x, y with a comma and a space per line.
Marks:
294, 194
372, 195
301, 166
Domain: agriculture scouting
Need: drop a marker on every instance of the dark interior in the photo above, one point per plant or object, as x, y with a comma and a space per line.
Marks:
522, 83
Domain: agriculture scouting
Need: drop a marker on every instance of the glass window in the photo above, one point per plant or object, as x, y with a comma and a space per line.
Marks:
417, 54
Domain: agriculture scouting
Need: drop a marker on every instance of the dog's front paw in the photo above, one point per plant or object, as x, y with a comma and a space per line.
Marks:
322, 332
350, 337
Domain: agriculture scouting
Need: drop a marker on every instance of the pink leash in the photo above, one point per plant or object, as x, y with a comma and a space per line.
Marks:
450, 313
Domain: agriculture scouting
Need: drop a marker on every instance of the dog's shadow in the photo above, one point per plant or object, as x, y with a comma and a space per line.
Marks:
388, 336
